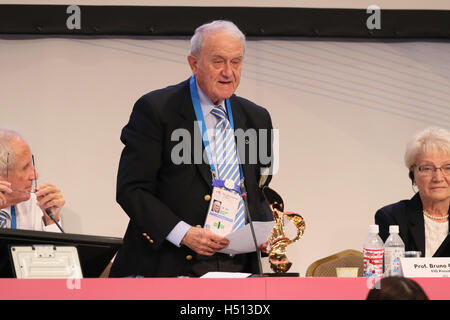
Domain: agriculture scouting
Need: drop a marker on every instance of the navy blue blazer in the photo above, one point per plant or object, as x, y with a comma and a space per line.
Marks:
157, 194
408, 215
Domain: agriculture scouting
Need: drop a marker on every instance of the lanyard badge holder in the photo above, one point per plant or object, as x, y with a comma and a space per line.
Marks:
223, 207
226, 195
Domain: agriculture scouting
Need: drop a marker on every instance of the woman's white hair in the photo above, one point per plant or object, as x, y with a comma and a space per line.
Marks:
213, 27
428, 140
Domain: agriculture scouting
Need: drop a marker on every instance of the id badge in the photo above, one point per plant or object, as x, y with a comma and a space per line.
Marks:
222, 211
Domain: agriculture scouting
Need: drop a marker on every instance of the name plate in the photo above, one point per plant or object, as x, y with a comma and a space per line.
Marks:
425, 267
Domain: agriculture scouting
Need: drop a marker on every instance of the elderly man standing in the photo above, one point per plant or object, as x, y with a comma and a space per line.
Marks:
21, 207
168, 200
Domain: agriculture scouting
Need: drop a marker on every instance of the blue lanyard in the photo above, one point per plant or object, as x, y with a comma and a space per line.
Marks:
202, 124
13, 218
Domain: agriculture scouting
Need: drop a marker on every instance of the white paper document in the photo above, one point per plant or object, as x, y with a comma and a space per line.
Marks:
221, 275
241, 240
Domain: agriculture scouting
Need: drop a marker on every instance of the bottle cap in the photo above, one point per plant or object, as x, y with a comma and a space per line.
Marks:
373, 228
393, 229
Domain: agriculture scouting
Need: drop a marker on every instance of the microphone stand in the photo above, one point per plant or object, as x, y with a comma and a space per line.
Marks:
247, 213
50, 214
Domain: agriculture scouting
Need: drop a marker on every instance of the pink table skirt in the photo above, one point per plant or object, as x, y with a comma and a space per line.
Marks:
204, 289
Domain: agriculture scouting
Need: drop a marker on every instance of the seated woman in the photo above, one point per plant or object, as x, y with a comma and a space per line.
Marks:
423, 220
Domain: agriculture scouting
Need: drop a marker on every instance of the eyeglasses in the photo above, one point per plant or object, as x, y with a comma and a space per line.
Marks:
429, 170
35, 176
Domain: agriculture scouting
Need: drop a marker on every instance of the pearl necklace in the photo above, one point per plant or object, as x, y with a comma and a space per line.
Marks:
434, 217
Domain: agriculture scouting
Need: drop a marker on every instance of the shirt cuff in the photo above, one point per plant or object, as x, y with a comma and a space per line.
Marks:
177, 234
51, 227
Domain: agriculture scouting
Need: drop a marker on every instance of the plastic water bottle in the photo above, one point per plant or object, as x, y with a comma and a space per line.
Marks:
394, 249
373, 253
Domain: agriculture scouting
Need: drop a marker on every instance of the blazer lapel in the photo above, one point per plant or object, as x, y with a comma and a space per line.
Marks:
189, 122
414, 212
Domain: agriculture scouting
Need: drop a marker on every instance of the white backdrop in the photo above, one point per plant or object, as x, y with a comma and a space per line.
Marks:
344, 109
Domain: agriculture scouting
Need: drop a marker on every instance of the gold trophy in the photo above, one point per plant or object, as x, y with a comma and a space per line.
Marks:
278, 241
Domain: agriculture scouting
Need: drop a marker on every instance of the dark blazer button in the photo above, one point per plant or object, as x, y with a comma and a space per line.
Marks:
207, 197
188, 257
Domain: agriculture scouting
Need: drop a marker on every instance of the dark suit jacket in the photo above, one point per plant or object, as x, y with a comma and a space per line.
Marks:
157, 194
408, 215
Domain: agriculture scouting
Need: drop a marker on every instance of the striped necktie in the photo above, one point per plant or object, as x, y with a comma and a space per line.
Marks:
4, 219
226, 158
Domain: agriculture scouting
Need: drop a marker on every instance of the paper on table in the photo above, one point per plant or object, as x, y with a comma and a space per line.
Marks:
241, 240
213, 275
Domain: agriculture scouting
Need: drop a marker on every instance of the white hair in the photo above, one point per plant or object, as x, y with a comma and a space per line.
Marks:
430, 139
7, 154
216, 26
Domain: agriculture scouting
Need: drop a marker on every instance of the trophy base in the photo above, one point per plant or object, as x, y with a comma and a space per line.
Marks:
273, 275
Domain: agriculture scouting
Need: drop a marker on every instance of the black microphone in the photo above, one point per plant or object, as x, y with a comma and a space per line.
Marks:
247, 213
50, 214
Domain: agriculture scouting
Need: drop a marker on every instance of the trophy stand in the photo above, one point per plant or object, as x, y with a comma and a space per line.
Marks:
278, 241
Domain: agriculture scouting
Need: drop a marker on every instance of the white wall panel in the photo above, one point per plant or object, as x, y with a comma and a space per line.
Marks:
344, 108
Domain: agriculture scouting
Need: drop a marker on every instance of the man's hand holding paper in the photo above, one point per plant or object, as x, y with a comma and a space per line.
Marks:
204, 241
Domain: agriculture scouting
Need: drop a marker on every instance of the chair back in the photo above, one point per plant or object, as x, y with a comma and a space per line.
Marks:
326, 267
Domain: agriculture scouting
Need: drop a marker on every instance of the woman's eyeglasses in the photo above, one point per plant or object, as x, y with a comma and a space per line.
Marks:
429, 170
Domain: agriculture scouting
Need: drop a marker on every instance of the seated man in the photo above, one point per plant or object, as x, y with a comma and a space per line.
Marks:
21, 207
